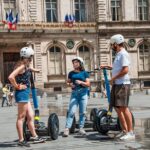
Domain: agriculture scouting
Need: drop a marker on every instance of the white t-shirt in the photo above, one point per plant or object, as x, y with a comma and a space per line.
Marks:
121, 60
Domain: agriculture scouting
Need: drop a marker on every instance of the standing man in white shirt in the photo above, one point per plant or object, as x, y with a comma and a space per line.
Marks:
120, 82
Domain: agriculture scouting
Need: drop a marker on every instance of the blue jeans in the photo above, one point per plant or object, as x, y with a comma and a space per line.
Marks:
78, 97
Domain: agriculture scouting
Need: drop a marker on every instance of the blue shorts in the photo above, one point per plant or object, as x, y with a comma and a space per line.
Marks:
22, 96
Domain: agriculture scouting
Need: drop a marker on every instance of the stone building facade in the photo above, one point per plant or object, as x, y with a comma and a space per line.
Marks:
41, 26
132, 19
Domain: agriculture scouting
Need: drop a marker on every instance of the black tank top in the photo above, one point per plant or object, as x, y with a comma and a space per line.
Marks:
24, 78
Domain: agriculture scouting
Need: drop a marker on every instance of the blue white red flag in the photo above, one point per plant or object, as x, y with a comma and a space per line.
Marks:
11, 21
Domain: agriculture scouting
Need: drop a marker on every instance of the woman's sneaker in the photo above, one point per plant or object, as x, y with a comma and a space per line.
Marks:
122, 133
82, 132
37, 139
66, 133
128, 136
23, 143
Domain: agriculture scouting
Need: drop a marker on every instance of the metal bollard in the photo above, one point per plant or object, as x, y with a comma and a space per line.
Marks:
131, 92
147, 91
95, 95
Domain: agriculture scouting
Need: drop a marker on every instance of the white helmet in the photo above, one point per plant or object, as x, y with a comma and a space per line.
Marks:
26, 52
79, 59
118, 39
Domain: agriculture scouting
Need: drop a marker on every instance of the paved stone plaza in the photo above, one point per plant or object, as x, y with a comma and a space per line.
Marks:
140, 105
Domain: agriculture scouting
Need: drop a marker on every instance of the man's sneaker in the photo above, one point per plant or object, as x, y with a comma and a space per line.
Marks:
82, 131
128, 136
66, 133
37, 139
23, 143
122, 133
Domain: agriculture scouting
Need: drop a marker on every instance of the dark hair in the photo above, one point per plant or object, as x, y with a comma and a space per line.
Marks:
81, 68
19, 62
121, 44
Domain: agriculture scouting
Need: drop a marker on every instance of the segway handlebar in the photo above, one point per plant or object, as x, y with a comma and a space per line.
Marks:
99, 69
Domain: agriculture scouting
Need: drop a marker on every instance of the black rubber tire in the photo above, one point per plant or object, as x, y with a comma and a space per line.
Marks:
73, 127
101, 114
119, 123
53, 126
25, 128
93, 114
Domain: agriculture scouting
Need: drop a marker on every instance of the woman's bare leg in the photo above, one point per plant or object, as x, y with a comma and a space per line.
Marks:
22, 108
30, 120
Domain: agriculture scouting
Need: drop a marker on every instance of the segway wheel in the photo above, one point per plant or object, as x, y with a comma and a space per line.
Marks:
119, 123
53, 126
101, 122
93, 114
73, 127
26, 134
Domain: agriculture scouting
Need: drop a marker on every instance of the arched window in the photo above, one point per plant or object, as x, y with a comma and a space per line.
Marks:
84, 52
80, 10
143, 9
55, 61
51, 10
144, 57
116, 10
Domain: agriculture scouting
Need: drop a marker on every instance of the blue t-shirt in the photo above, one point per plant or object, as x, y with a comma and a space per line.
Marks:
82, 75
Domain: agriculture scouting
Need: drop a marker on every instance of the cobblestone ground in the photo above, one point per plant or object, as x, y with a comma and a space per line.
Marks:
139, 104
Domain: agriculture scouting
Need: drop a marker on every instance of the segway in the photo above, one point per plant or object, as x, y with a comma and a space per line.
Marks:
49, 131
104, 121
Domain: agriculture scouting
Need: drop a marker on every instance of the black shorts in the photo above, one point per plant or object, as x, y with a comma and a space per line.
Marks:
120, 95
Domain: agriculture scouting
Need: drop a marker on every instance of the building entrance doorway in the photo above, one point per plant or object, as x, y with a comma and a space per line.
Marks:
9, 61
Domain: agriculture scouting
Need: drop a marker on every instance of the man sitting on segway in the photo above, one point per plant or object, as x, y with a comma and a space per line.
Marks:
120, 82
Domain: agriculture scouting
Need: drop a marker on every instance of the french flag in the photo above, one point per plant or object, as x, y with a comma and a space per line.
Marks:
11, 21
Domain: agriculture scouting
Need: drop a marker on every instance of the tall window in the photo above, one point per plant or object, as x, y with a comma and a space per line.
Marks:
144, 57
80, 10
116, 10
143, 9
10, 5
84, 52
55, 61
51, 11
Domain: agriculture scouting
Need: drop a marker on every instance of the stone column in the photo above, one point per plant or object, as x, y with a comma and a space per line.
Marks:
0, 81
38, 61
32, 8
1, 68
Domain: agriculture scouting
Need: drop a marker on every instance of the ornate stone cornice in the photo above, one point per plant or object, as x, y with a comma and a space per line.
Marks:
42, 26
125, 25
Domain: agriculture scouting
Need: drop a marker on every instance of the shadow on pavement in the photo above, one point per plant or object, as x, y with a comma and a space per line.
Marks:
99, 137
8, 144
